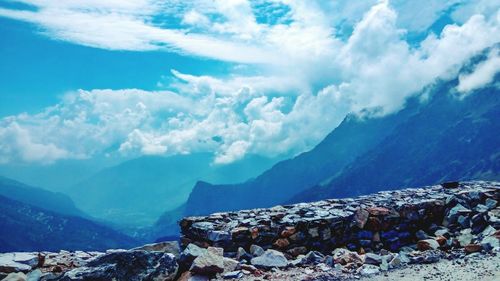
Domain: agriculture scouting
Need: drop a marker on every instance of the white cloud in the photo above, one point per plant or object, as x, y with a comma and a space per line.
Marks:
16, 144
483, 74
308, 80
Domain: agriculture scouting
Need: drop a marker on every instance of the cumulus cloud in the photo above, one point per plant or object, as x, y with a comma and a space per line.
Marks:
483, 74
307, 79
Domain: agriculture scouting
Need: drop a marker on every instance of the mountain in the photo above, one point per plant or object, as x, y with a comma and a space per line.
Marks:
447, 139
353, 137
436, 137
52, 201
137, 192
24, 227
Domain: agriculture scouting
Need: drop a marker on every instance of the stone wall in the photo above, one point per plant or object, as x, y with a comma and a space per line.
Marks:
389, 220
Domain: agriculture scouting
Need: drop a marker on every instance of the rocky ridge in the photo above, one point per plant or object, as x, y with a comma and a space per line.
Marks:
336, 239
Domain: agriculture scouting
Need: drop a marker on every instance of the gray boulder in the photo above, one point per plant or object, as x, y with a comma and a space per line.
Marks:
270, 259
127, 266
171, 247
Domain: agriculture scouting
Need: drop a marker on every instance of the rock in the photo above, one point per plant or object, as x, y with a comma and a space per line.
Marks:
189, 254
269, 259
421, 235
378, 211
15, 276
17, 262
488, 231
313, 257
256, 250
441, 232
34, 275
233, 275
427, 244
229, 264
456, 211
313, 232
473, 248
368, 269
465, 237
288, 231
188, 276
361, 217
171, 247
297, 251
344, 256
241, 254
374, 259
490, 242
209, 263
491, 203
127, 265
442, 241
281, 243
216, 236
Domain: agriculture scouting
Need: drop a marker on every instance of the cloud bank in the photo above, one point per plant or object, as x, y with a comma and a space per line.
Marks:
310, 66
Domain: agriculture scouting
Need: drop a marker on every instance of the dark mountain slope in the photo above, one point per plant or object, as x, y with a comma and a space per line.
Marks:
25, 227
353, 137
48, 200
448, 139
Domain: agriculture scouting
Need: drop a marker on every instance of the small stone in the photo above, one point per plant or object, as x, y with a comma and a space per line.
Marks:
256, 250
209, 263
488, 231
427, 244
269, 259
230, 264
172, 247
361, 217
281, 243
465, 237
34, 275
233, 275
288, 231
217, 236
441, 241
297, 251
378, 211
421, 235
313, 257
441, 232
473, 248
491, 203
490, 243
17, 276
368, 269
313, 232
374, 259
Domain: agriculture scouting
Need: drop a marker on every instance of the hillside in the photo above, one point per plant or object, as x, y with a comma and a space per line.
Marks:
52, 201
448, 139
25, 227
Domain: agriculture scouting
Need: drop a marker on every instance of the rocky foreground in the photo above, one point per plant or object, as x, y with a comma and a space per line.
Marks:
413, 233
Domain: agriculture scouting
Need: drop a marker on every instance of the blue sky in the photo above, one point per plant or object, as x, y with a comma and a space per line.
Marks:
268, 77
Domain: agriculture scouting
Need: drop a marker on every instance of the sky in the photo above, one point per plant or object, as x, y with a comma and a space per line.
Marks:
81, 79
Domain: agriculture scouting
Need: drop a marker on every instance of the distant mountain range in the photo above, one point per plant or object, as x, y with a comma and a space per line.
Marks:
33, 219
435, 138
136, 192
51, 201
